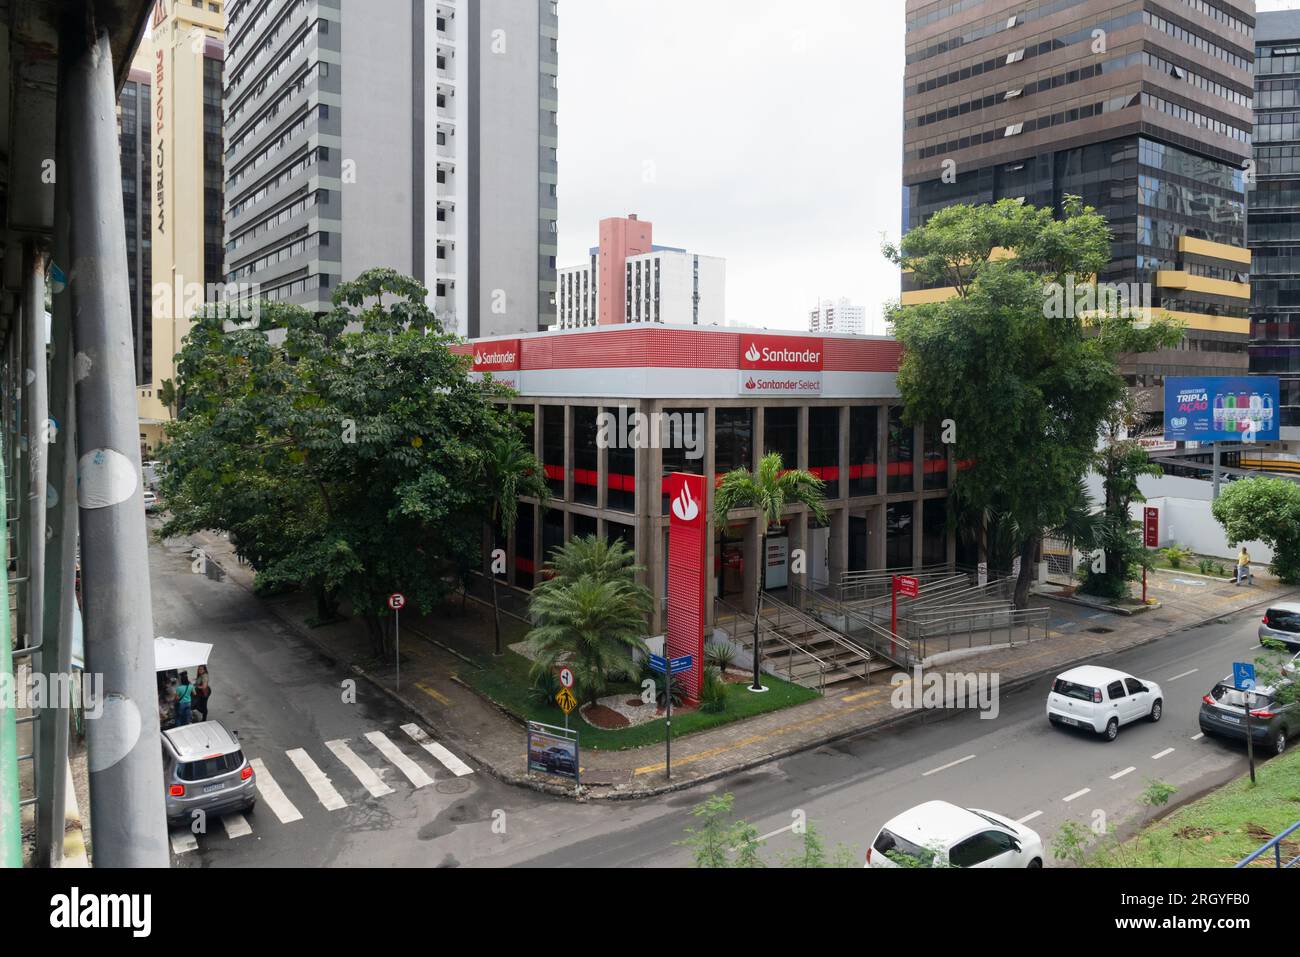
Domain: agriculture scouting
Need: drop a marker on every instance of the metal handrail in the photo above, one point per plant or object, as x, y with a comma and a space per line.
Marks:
829, 634
901, 650
1276, 845
767, 631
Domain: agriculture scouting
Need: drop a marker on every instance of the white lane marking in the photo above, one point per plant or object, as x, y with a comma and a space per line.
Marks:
1166, 751
452, 763
1076, 794
788, 827
371, 781
236, 826
414, 773
1185, 674
1120, 774
184, 841
1198, 736
950, 764
1029, 817
272, 795
317, 779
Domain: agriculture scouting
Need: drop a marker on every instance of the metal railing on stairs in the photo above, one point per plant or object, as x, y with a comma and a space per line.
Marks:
856, 626
731, 619
801, 619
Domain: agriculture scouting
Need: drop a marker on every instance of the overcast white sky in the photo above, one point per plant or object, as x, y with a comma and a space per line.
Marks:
766, 132
769, 133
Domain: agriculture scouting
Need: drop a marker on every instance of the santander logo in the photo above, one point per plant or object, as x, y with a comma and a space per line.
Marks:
782, 353
494, 358
752, 353
685, 507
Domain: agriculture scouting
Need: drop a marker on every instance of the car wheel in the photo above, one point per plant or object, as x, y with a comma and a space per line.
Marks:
1035, 863
1279, 742
1157, 710
1112, 729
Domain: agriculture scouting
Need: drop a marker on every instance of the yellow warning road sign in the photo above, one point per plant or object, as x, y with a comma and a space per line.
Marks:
566, 700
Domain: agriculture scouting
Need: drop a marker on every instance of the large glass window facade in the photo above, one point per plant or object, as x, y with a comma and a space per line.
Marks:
934, 532
824, 448
553, 449
898, 535
864, 432
621, 463
586, 455
552, 533
734, 440
902, 453
525, 531
781, 434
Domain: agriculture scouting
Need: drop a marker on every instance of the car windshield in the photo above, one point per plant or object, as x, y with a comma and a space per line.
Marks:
210, 767
991, 819
892, 846
1072, 690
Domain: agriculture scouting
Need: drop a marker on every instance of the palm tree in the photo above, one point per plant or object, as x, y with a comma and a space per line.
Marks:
592, 626
591, 555
770, 491
512, 471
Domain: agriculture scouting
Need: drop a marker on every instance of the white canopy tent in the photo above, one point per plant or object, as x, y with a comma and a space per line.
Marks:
172, 654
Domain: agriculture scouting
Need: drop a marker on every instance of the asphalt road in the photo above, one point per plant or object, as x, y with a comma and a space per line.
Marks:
403, 806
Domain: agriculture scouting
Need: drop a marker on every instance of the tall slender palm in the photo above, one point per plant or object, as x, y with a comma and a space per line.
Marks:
592, 626
591, 555
512, 471
769, 491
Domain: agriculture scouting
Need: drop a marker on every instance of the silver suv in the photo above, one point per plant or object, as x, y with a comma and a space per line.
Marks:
205, 770
1282, 623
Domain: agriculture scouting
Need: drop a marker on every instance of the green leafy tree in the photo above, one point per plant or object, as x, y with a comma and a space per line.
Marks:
168, 396
1027, 373
334, 448
593, 627
713, 840
1264, 510
511, 470
769, 492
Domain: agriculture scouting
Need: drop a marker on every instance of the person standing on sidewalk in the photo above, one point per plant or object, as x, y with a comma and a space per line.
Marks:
202, 691
184, 700
1243, 567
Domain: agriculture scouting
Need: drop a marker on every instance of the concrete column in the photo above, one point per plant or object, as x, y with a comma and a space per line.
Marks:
876, 537
799, 540
803, 437
844, 453
882, 452
760, 420
568, 460
602, 467
126, 781
839, 543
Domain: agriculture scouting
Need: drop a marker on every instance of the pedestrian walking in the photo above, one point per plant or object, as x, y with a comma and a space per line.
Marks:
202, 691
184, 700
1243, 568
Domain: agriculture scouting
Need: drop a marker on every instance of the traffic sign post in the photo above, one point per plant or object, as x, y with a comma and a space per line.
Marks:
668, 667
1150, 538
396, 601
567, 703
1243, 676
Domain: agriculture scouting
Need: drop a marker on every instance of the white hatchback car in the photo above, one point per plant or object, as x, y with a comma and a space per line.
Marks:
939, 834
1102, 699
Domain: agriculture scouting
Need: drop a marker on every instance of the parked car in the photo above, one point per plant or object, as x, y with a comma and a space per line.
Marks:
559, 759
150, 500
1102, 700
939, 834
204, 769
1282, 623
1273, 725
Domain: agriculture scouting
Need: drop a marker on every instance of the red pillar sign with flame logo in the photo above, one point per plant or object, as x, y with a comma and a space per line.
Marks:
686, 551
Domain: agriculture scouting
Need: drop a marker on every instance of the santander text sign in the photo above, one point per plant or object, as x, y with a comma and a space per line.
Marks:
500, 356
782, 353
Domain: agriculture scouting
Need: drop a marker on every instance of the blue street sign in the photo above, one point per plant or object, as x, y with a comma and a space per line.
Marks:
682, 664
1243, 675
659, 664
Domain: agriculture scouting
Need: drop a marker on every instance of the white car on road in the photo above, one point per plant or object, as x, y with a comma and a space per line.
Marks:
939, 834
1102, 700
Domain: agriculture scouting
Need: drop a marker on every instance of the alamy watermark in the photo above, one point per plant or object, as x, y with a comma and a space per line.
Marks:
654, 430
941, 690
25, 690
1075, 300
237, 302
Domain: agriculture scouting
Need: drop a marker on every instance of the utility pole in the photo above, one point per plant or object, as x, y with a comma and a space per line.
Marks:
126, 781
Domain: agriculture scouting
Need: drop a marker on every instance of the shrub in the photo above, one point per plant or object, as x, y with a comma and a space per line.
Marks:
713, 692
1175, 555
720, 655
545, 686
1206, 566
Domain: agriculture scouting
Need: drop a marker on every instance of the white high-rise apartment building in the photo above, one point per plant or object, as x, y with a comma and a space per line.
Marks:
668, 286
841, 317
416, 136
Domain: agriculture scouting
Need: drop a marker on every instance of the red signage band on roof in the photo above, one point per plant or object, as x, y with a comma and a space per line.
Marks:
785, 353
501, 355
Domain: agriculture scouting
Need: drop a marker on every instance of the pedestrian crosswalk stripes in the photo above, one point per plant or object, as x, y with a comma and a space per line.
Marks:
414, 773
272, 796
369, 778
353, 754
452, 763
317, 780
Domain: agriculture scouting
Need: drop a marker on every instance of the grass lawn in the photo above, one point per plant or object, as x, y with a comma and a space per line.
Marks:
1193, 565
505, 681
1223, 827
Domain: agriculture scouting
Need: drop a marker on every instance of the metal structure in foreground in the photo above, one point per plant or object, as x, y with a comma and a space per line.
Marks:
71, 405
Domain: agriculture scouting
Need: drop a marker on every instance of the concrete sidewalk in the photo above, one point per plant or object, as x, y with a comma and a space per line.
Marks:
437, 649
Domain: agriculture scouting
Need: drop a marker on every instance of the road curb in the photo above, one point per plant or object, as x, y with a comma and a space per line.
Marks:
919, 715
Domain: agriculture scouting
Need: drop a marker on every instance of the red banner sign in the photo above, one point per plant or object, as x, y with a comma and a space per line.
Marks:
501, 356
1151, 527
908, 587
687, 534
782, 353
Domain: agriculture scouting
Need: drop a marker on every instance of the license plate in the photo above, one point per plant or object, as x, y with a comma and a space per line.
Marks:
1230, 719
213, 787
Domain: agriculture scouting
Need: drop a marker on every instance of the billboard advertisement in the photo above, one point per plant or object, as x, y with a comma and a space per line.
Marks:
1222, 409
553, 750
